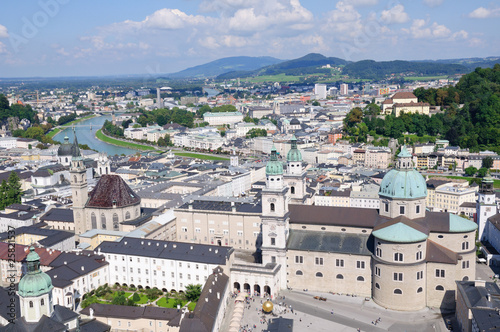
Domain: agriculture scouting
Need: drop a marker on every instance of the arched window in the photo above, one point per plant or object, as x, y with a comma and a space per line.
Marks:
339, 276
299, 273
42, 302
103, 221
127, 215
360, 278
115, 222
398, 291
272, 206
292, 190
319, 275
93, 220
377, 286
439, 287
31, 304
465, 278
419, 290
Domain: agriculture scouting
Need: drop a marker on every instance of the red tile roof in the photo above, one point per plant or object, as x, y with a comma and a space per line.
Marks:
403, 95
111, 191
21, 251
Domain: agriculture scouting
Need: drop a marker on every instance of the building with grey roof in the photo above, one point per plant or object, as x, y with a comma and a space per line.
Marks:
478, 305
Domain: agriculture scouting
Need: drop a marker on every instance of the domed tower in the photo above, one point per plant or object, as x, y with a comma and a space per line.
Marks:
295, 175
400, 242
65, 152
403, 190
275, 216
35, 290
485, 205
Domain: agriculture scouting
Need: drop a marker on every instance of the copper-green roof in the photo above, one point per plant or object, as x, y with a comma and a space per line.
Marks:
403, 184
461, 225
294, 153
274, 166
404, 153
400, 233
35, 282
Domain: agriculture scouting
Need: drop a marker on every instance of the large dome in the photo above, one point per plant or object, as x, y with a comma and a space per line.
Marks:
35, 282
403, 184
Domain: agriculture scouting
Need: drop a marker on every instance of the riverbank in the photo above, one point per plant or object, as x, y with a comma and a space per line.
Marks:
56, 131
103, 137
198, 156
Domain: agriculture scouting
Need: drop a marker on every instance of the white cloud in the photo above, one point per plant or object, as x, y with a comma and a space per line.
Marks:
3, 49
360, 3
420, 29
396, 14
344, 21
482, 12
433, 3
3, 32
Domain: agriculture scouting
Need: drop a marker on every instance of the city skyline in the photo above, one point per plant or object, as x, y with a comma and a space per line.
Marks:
68, 38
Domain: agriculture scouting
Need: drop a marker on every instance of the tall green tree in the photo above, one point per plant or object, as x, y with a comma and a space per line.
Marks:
193, 292
487, 162
14, 192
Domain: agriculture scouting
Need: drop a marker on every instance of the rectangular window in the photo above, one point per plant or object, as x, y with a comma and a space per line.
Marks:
377, 271
420, 275
378, 252
398, 257
180, 275
273, 259
299, 259
319, 260
172, 274
465, 264
360, 264
417, 209
386, 207
339, 262
465, 245
401, 210
419, 255
398, 276
273, 241
440, 273
184, 229
240, 233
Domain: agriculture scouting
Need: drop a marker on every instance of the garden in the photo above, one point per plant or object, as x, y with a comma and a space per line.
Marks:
131, 296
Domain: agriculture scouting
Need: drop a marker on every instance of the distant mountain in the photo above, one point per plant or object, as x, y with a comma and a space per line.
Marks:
370, 69
471, 63
307, 64
225, 65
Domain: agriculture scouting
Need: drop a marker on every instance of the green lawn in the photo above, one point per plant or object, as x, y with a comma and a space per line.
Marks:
199, 156
110, 140
191, 306
144, 299
425, 78
126, 294
53, 133
496, 183
170, 303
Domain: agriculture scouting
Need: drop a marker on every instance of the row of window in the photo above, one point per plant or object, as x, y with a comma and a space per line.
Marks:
419, 290
154, 273
338, 262
402, 208
197, 266
398, 276
156, 281
320, 275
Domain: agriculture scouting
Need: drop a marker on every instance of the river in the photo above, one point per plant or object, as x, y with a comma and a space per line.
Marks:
87, 136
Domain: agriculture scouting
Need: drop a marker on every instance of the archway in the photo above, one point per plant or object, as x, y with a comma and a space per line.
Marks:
267, 290
237, 287
246, 288
256, 290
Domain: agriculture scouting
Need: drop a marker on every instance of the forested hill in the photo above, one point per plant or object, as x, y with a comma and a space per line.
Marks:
370, 69
225, 65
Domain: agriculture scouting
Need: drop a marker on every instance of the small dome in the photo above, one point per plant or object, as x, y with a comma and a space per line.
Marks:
35, 282
274, 167
294, 153
69, 149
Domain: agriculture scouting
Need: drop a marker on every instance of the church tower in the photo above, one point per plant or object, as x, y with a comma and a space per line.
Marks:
485, 205
295, 174
275, 216
103, 164
79, 191
35, 291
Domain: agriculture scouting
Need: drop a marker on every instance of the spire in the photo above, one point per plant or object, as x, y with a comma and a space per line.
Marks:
274, 155
75, 150
33, 261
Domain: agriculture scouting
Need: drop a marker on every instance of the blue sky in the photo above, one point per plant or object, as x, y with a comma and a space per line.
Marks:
82, 38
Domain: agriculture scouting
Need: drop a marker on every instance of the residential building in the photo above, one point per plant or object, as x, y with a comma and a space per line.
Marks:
222, 118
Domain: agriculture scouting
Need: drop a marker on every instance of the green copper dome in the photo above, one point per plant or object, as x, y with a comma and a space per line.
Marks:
294, 153
404, 182
35, 282
274, 167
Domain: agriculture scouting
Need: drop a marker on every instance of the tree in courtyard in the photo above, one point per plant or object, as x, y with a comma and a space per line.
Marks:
136, 297
193, 292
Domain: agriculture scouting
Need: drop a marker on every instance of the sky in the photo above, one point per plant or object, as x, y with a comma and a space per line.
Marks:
51, 38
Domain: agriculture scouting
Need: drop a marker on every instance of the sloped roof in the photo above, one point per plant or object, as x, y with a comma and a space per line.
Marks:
461, 225
438, 254
401, 229
111, 191
403, 95
340, 242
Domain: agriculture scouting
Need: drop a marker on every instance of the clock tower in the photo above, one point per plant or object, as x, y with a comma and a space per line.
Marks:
275, 217
295, 175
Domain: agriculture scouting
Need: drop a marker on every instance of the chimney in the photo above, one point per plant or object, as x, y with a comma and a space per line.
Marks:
218, 295
488, 297
190, 206
233, 207
480, 283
